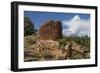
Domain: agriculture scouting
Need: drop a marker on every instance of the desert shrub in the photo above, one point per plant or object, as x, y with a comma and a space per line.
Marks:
62, 42
37, 56
86, 55
46, 55
30, 40
76, 55
82, 40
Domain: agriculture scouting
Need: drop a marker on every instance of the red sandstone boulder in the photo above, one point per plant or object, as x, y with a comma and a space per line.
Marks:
51, 30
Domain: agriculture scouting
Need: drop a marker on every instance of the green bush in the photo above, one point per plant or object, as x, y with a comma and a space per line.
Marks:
28, 27
62, 42
84, 40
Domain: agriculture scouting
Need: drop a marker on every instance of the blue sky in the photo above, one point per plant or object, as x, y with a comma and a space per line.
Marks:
67, 19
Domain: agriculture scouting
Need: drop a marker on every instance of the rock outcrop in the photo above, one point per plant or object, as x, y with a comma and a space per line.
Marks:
43, 50
51, 30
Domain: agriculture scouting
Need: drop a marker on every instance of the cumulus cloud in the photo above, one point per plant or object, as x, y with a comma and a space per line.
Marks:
76, 26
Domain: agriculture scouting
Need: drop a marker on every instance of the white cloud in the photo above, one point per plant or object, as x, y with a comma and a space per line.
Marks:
76, 26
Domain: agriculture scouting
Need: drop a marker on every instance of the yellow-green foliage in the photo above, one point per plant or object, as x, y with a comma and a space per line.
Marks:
84, 40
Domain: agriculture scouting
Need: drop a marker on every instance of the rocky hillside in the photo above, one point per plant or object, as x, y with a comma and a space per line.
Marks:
49, 44
39, 50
